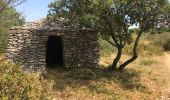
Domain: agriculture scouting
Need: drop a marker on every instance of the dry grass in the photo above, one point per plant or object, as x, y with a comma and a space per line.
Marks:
146, 79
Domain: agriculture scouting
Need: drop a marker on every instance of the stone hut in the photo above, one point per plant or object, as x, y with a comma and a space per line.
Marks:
37, 45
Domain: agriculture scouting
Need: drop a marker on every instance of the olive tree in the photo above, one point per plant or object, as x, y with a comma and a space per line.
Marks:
142, 13
112, 19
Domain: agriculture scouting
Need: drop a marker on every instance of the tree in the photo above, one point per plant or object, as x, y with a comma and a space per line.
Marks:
165, 22
111, 18
9, 3
8, 17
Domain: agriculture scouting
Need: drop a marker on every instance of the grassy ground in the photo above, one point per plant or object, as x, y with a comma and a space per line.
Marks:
148, 78
145, 79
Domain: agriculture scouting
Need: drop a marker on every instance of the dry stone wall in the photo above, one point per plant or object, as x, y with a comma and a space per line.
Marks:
81, 49
27, 46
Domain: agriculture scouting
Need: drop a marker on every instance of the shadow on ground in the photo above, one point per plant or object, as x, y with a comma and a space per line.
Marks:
93, 78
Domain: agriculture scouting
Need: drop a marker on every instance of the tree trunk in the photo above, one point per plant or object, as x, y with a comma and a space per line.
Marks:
135, 53
116, 60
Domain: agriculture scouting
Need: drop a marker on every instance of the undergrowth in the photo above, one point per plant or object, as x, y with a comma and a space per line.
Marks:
161, 40
152, 44
105, 48
18, 85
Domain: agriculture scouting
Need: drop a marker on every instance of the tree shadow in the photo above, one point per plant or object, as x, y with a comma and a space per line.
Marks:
77, 77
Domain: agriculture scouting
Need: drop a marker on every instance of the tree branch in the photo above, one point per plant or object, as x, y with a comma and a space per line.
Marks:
135, 53
4, 5
19, 3
111, 43
12, 3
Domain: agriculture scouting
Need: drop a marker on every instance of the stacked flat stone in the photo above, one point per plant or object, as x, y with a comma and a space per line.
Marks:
27, 44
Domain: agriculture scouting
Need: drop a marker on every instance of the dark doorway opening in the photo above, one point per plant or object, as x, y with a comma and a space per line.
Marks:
54, 52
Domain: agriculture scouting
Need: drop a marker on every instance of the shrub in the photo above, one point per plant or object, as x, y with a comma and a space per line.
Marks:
166, 45
18, 85
162, 40
144, 49
3, 39
105, 48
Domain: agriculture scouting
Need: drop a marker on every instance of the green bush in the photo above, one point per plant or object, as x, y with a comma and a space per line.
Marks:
18, 85
162, 40
8, 18
3, 39
144, 49
105, 48
159, 39
166, 45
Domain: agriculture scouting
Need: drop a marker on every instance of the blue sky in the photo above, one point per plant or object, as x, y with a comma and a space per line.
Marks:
34, 9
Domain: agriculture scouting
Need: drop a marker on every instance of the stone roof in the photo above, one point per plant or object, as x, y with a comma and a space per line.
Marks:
45, 25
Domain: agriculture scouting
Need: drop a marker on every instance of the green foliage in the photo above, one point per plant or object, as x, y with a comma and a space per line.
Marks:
110, 17
105, 48
18, 85
167, 45
144, 49
76, 11
149, 49
164, 25
162, 40
8, 18
9, 3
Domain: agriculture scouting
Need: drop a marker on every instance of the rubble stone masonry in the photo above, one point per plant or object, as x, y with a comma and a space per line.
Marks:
27, 45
